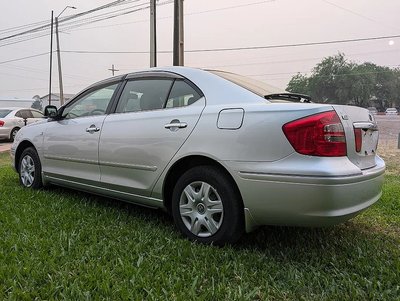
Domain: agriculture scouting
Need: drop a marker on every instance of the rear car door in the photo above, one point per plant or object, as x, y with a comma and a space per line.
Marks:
152, 120
70, 144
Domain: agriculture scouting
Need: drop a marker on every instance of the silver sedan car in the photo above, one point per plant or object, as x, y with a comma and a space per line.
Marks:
12, 119
221, 152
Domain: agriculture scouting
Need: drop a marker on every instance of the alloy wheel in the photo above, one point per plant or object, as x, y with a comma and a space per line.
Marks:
27, 171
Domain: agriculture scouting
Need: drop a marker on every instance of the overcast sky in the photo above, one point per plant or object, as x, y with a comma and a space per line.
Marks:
208, 25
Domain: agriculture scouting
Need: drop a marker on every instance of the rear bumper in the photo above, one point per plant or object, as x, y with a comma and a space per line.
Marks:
276, 199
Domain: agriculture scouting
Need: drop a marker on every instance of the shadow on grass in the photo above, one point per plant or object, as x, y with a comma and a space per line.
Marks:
295, 242
281, 243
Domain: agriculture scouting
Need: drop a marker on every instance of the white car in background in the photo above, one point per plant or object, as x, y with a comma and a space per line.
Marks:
391, 111
13, 119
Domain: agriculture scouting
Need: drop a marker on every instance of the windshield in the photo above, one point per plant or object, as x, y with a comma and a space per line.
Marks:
253, 85
4, 113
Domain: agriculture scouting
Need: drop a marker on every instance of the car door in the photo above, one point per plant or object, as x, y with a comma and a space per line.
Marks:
70, 145
152, 120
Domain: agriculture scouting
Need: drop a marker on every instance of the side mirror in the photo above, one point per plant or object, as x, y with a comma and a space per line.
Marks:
50, 111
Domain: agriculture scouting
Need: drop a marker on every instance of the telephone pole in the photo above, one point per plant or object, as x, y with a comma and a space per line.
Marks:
60, 80
178, 55
112, 69
153, 34
51, 55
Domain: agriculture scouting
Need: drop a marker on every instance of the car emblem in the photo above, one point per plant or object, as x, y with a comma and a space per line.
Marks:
345, 117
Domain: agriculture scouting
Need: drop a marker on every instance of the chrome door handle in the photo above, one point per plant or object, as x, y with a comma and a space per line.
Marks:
92, 129
179, 125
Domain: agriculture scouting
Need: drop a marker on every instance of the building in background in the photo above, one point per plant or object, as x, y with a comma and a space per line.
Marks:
55, 99
16, 102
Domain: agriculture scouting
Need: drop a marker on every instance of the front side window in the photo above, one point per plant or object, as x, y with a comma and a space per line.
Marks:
91, 104
37, 114
182, 94
144, 95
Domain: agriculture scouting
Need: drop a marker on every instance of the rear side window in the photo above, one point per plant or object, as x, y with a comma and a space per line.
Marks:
24, 114
182, 94
4, 113
144, 95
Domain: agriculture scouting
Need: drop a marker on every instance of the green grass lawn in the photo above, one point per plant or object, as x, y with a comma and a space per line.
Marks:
60, 244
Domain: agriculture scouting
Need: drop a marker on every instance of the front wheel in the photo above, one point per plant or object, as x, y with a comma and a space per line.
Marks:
207, 207
30, 169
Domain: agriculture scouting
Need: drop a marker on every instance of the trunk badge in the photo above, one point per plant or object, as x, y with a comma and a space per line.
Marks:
345, 117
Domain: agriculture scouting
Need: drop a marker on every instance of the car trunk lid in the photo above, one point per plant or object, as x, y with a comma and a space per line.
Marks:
361, 135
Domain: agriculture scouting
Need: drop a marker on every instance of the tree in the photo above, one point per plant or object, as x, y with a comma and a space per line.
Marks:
336, 80
299, 84
328, 78
37, 103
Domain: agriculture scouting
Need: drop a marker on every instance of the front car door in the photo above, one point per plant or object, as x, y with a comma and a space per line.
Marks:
71, 143
152, 120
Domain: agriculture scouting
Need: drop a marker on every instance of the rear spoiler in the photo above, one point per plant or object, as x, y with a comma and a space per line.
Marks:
290, 97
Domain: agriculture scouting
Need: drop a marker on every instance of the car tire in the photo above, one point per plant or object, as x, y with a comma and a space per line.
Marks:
207, 207
13, 134
30, 169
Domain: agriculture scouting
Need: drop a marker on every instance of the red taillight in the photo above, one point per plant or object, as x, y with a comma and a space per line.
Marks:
358, 138
317, 135
1, 122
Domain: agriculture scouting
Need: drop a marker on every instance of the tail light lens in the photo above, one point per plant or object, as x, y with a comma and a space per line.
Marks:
317, 135
358, 138
1, 122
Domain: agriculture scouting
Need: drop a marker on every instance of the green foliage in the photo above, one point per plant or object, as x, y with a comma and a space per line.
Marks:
61, 244
336, 80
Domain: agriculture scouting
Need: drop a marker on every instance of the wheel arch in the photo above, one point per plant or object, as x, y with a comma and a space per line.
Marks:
14, 128
20, 149
184, 164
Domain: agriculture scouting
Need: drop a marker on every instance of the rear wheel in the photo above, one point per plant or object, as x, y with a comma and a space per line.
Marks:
30, 169
206, 206
13, 134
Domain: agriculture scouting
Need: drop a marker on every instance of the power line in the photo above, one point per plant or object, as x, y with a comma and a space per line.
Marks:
39, 29
242, 48
357, 14
186, 14
24, 58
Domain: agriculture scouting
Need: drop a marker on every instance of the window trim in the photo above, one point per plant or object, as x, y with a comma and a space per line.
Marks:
153, 75
142, 77
90, 90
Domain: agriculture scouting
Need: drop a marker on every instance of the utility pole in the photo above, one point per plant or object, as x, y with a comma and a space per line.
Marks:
153, 34
60, 81
178, 55
51, 55
113, 69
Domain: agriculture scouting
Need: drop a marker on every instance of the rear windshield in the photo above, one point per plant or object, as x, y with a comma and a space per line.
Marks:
253, 85
4, 113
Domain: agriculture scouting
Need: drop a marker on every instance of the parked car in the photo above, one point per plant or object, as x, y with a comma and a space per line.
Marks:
221, 152
372, 110
13, 119
391, 111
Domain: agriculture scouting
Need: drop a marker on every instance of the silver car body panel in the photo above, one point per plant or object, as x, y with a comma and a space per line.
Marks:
69, 151
136, 147
130, 157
